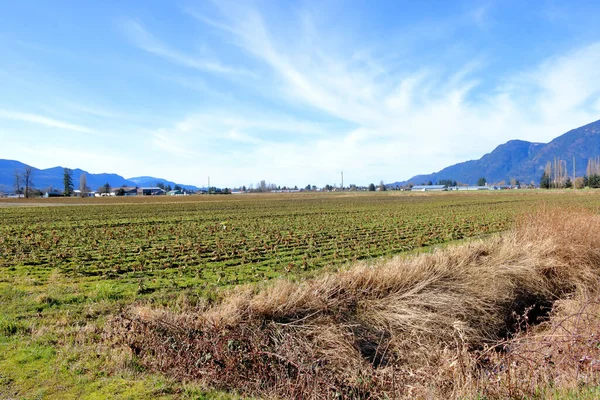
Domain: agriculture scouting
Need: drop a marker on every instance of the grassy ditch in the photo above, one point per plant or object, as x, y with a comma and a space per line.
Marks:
515, 315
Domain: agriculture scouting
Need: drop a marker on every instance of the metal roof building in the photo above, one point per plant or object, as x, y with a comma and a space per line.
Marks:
429, 188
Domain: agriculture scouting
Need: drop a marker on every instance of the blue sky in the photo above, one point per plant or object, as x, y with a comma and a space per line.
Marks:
289, 92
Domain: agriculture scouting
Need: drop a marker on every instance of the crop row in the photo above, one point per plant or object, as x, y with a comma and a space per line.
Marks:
249, 238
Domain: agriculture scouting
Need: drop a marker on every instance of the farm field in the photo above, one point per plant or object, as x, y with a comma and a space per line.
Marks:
64, 271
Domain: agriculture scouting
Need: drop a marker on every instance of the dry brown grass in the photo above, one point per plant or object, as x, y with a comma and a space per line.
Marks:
563, 352
444, 325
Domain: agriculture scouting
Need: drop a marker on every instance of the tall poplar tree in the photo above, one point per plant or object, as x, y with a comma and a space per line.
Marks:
28, 180
83, 188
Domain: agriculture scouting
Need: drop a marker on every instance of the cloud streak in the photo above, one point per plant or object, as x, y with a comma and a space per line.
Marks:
166, 143
425, 115
138, 34
41, 120
296, 94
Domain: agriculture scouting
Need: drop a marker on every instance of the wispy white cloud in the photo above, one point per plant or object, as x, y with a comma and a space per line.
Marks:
480, 15
96, 111
321, 99
241, 137
138, 34
163, 142
41, 120
411, 121
214, 122
568, 81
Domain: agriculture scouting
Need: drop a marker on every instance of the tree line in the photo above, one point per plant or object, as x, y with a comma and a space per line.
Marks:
555, 175
24, 184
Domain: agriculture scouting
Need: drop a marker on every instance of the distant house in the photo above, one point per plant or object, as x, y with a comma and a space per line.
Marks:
174, 193
150, 191
429, 188
77, 193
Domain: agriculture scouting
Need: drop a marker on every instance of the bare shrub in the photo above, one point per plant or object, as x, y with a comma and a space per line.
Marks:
563, 352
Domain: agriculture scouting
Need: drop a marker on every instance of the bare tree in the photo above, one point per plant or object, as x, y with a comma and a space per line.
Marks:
28, 180
17, 182
83, 185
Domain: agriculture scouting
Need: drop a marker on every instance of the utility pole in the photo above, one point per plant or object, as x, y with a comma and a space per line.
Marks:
342, 180
208, 185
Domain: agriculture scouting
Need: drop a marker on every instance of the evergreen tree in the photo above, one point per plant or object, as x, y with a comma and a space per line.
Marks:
67, 182
371, 187
545, 181
447, 182
481, 182
594, 181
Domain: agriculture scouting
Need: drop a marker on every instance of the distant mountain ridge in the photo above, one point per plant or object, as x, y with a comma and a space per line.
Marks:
522, 160
53, 177
515, 159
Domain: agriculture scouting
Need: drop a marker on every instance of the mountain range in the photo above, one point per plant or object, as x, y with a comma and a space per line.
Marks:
516, 159
53, 177
521, 160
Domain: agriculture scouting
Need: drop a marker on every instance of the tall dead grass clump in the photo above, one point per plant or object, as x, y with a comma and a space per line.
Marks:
428, 326
560, 355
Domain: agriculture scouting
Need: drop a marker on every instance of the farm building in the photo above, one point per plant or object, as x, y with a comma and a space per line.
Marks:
429, 188
124, 191
150, 191
471, 188
77, 193
174, 193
